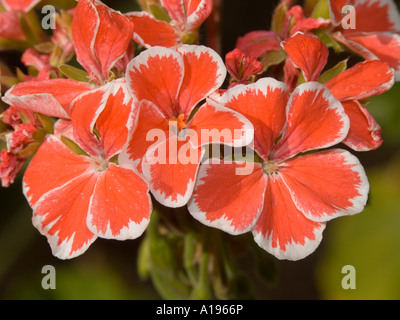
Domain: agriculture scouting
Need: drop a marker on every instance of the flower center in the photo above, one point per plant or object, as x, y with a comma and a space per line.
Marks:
99, 164
179, 122
270, 167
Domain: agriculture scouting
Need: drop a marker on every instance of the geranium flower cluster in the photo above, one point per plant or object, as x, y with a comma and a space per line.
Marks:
141, 116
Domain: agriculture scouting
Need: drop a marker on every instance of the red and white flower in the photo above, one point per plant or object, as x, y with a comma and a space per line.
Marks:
363, 80
287, 198
169, 83
75, 185
376, 33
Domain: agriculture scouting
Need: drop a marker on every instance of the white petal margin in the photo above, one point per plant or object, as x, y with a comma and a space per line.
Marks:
293, 251
224, 223
160, 196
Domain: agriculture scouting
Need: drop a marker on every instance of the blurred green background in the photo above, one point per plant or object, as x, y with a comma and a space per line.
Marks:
369, 241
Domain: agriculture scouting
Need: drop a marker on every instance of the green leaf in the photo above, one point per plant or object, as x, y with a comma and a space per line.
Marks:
321, 10
73, 146
159, 13
272, 58
278, 18
74, 73
333, 72
144, 259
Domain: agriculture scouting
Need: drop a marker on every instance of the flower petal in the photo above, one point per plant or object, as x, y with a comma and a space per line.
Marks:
120, 206
365, 132
227, 200
257, 43
335, 10
116, 119
282, 229
263, 103
364, 80
50, 97
150, 124
60, 215
216, 124
150, 32
205, 72
176, 11
156, 75
170, 167
315, 119
383, 46
85, 111
19, 5
308, 53
376, 16
327, 184
53, 166
101, 37
197, 11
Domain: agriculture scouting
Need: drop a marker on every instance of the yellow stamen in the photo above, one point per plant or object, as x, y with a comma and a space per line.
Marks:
180, 121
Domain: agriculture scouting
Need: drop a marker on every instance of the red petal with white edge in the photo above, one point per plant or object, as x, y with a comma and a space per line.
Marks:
120, 206
19, 5
364, 80
61, 214
216, 124
256, 43
205, 72
282, 229
156, 75
327, 184
176, 11
50, 97
335, 10
197, 11
150, 32
53, 166
101, 37
308, 53
365, 132
263, 103
227, 200
85, 111
170, 168
376, 16
315, 119
150, 128
116, 119
382, 46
